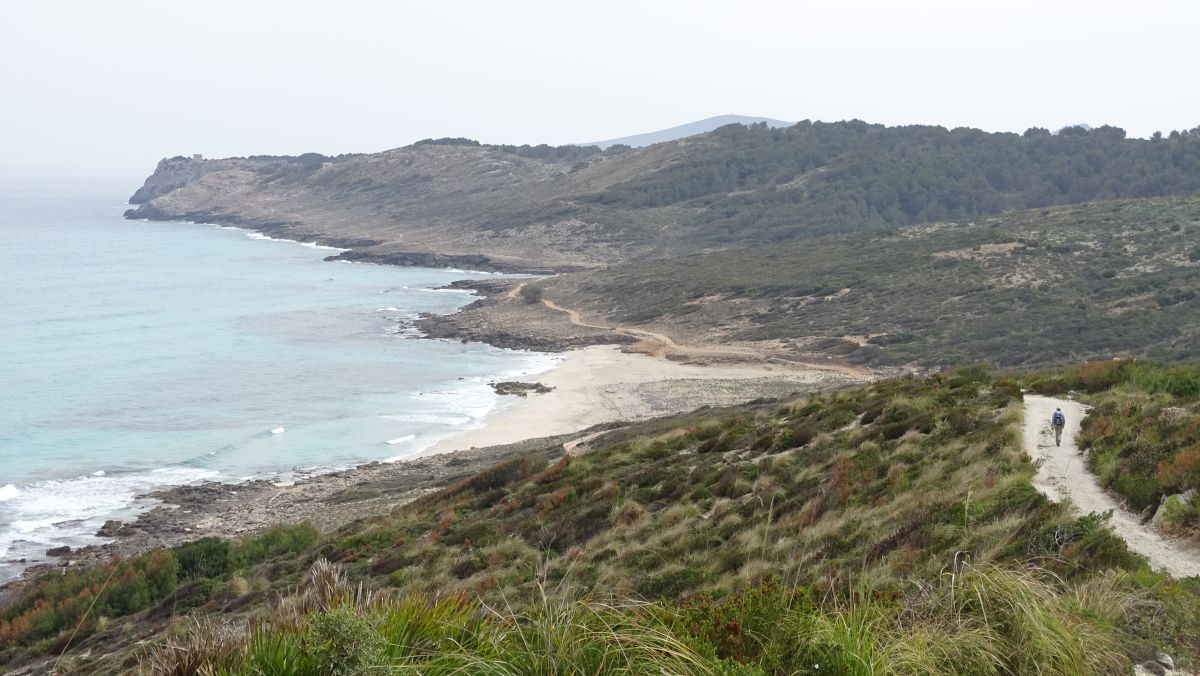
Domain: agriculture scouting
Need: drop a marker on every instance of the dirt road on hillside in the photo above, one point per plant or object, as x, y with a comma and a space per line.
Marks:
1063, 474
661, 345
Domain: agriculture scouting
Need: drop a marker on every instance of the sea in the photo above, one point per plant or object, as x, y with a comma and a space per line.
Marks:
136, 355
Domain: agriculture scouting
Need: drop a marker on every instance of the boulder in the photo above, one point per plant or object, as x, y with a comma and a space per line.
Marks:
1160, 515
1173, 414
110, 529
59, 551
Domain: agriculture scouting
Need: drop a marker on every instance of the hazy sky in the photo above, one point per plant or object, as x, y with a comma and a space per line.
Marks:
121, 83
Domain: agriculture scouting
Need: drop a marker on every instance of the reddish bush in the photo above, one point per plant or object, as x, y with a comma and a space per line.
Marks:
1181, 472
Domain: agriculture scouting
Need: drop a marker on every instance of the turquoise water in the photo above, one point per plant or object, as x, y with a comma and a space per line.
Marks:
135, 355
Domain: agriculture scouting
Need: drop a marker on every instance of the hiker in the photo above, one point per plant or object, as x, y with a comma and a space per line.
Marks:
1058, 421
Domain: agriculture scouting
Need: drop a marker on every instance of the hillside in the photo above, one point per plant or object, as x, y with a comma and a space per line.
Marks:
866, 525
455, 202
1031, 287
684, 130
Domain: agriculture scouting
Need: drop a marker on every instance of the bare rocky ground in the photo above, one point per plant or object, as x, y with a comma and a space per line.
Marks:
508, 321
502, 317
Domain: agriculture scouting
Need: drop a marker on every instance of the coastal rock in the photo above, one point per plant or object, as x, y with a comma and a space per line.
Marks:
520, 389
59, 551
1161, 665
1173, 414
110, 529
427, 259
1159, 520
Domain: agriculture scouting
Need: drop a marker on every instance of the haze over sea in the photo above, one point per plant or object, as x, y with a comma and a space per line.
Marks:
135, 355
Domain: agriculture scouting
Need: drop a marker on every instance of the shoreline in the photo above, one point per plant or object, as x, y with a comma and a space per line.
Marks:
596, 384
20, 564
605, 384
596, 389
352, 249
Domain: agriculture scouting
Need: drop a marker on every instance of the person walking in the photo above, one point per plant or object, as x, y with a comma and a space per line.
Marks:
1058, 421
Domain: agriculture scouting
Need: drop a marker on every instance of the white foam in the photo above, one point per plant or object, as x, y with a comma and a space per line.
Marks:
472, 272
426, 289
278, 430
267, 238
401, 440
465, 292
431, 418
68, 511
418, 447
322, 247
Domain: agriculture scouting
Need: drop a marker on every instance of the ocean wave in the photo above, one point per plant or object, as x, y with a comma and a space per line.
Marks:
431, 418
425, 442
311, 245
321, 247
258, 235
57, 512
401, 440
426, 289
472, 272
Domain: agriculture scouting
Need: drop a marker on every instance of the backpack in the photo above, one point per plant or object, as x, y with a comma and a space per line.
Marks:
1058, 420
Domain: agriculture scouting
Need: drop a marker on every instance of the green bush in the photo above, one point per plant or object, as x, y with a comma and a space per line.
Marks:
204, 558
344, 643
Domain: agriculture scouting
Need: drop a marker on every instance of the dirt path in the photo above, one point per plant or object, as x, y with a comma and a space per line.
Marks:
1063, 475
658, 344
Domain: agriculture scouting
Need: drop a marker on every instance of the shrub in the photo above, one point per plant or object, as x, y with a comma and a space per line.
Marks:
532, 293
670, 583
1180, 472
206, 557
1178, 516
342, 642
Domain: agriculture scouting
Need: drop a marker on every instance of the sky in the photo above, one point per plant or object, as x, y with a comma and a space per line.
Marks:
122, 83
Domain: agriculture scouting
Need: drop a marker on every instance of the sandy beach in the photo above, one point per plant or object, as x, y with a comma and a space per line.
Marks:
603, 384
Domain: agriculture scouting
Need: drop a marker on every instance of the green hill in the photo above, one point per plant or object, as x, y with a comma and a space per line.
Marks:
510, 207
886, 529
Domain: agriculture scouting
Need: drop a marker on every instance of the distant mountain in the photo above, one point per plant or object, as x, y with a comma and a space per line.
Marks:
689, 129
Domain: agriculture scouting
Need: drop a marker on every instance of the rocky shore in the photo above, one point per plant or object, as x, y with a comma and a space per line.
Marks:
328, 501
496, 320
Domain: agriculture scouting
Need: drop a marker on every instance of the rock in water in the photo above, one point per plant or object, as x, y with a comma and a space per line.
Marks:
520, 389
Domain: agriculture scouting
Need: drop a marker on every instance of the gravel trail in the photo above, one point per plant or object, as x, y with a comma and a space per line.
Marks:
1063, 474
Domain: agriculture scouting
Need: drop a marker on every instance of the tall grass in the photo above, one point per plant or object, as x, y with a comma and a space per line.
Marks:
983, 620
559, 637
1036, 622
